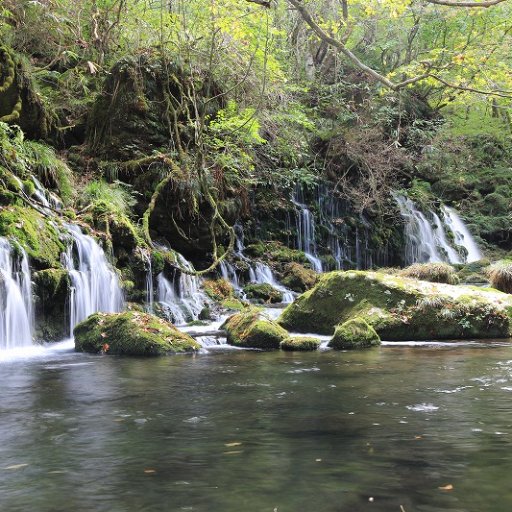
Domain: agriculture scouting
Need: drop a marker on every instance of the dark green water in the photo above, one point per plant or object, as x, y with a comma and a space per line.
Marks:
250, 432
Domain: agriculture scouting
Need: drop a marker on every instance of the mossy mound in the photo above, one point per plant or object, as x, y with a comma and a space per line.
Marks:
300, 344
263, 292
36, 234
400, 308
354, 334
218, 289
131, 333
433, 272
252, 329
298, 278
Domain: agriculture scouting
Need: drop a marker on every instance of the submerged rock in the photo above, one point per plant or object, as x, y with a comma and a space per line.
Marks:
131, 333
300, 344
251, 328
400, 308
354, 334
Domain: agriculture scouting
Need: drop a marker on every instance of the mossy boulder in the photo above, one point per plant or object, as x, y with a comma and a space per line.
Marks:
131, 333
354, 334
218, 289
300, 344
400, 308
298, 278
35, 233
251, 328
263, 292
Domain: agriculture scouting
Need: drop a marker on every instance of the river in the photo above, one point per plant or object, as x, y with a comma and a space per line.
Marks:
424, 428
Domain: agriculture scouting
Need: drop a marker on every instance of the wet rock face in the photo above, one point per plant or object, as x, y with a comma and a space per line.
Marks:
400, 308
131, 333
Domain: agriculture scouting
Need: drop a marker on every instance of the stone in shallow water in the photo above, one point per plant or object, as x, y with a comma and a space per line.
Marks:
300, 343
131, 333
354, 334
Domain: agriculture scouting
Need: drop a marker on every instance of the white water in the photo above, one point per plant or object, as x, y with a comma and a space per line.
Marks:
182, 298
262, 274
306, 233
94, 284
150, 293
45, 197
461, 234
426, 241
16, 317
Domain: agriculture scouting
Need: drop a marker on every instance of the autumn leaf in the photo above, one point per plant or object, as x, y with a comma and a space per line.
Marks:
448, 487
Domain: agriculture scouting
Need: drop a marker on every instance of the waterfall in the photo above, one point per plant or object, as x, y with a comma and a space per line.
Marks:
426, 240
262, 274
259, 272
16, 316
150, 293
182, 298
45, 197
228, 272
94, 284
306, 232
461, 234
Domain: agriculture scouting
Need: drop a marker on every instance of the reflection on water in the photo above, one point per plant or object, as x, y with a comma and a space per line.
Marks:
250, 432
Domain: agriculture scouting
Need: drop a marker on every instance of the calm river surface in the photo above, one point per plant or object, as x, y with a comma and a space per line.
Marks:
242, 431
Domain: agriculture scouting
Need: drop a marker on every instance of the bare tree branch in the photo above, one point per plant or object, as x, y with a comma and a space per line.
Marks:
454, 3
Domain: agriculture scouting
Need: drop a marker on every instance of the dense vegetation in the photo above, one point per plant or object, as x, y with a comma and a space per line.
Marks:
169, 121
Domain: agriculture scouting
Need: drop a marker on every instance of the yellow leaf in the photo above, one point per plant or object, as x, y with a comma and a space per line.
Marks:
448, 487
229, 445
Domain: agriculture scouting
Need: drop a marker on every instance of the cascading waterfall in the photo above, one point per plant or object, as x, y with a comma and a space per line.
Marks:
182, 298
150, 293
306, 231
262, 274
461, 234
16, 317
426, 240
94, 284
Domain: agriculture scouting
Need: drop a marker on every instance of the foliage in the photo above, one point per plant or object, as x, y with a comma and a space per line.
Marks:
500, 275
433, 272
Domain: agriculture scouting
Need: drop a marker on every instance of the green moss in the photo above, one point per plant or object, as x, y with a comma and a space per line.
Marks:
131, 333
233, 304
252, 329
300, 344
400, 308
354, 334
218, 289
34, 233
263, 292
298, 278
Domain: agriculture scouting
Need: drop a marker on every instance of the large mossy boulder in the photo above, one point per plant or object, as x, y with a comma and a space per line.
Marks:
251, 328
400, 308
354, 334
131, 333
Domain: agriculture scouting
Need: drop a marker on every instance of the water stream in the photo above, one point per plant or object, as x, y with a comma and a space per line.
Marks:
94, 283
426, 429
16, 310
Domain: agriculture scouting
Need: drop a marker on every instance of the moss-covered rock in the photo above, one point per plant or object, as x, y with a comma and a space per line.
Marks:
263, 292
298, 278
51, 311
218, 289
400, 308
131, 333
300, 344
354, 334
233, 304
36, 234
252, 329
